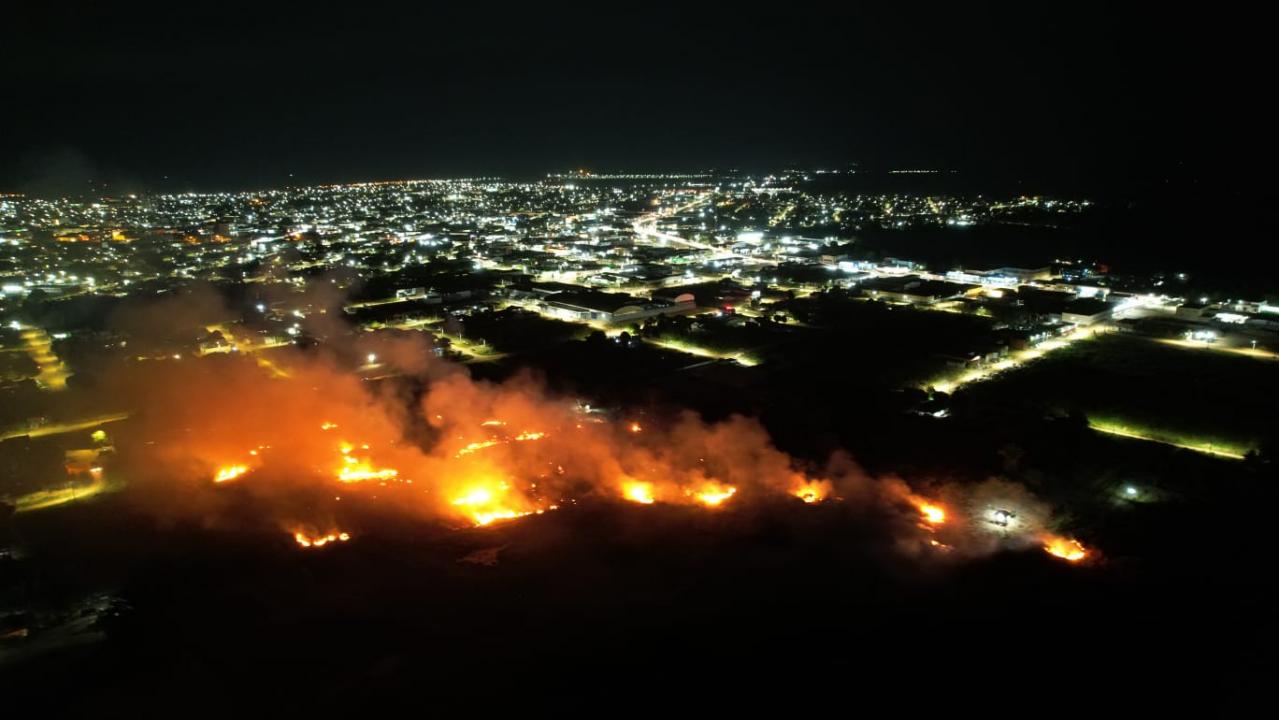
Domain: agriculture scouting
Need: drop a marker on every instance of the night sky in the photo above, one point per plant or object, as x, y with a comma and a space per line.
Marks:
230, 98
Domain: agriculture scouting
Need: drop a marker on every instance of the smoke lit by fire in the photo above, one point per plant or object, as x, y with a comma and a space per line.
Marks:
445, 447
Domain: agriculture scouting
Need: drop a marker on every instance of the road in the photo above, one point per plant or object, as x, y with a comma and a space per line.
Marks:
951, 382
645, 226
1205, 448
64, 427
53, 372
1256, 353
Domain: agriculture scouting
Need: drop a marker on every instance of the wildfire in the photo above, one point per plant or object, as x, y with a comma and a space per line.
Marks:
483, 444
476, 446
492, 516
812, 491
1068, 549
315, 541
640, 492
714, 494
933, 514
358, 471
230, 472
355, 469
635, 427
485, 505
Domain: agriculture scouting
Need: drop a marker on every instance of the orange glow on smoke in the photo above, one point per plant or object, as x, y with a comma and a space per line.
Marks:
230, 472
1068, 549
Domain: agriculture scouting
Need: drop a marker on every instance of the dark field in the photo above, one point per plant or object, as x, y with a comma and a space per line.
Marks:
1191, 396
662, 606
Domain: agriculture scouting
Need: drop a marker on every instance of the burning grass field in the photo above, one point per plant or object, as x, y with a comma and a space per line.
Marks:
301, 531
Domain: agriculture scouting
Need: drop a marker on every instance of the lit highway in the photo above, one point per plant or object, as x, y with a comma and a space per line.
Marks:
64, 427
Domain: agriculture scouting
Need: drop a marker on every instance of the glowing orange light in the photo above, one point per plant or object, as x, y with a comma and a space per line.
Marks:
362, 472
1065, 548
640, 492
315, 541
476, 446
714, 494
485, 505
354, 469
230, 472
635, 427
933, 514
812, 491
487, 518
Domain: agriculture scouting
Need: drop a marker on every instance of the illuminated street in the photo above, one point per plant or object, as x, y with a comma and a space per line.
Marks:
1200, 447
951, 382
53, 372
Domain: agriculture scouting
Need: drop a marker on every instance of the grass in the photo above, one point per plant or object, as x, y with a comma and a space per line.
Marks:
45, 499
1167, 437
1217, 403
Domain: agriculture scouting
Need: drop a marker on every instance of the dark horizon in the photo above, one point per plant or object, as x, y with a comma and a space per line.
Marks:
241, 99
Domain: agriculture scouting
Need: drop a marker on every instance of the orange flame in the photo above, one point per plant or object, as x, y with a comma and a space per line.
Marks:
713, 494
230, 472
476, 446
812, 491
1068, 549
315, 541
355, 469
933, 513
640, 492
485, 503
